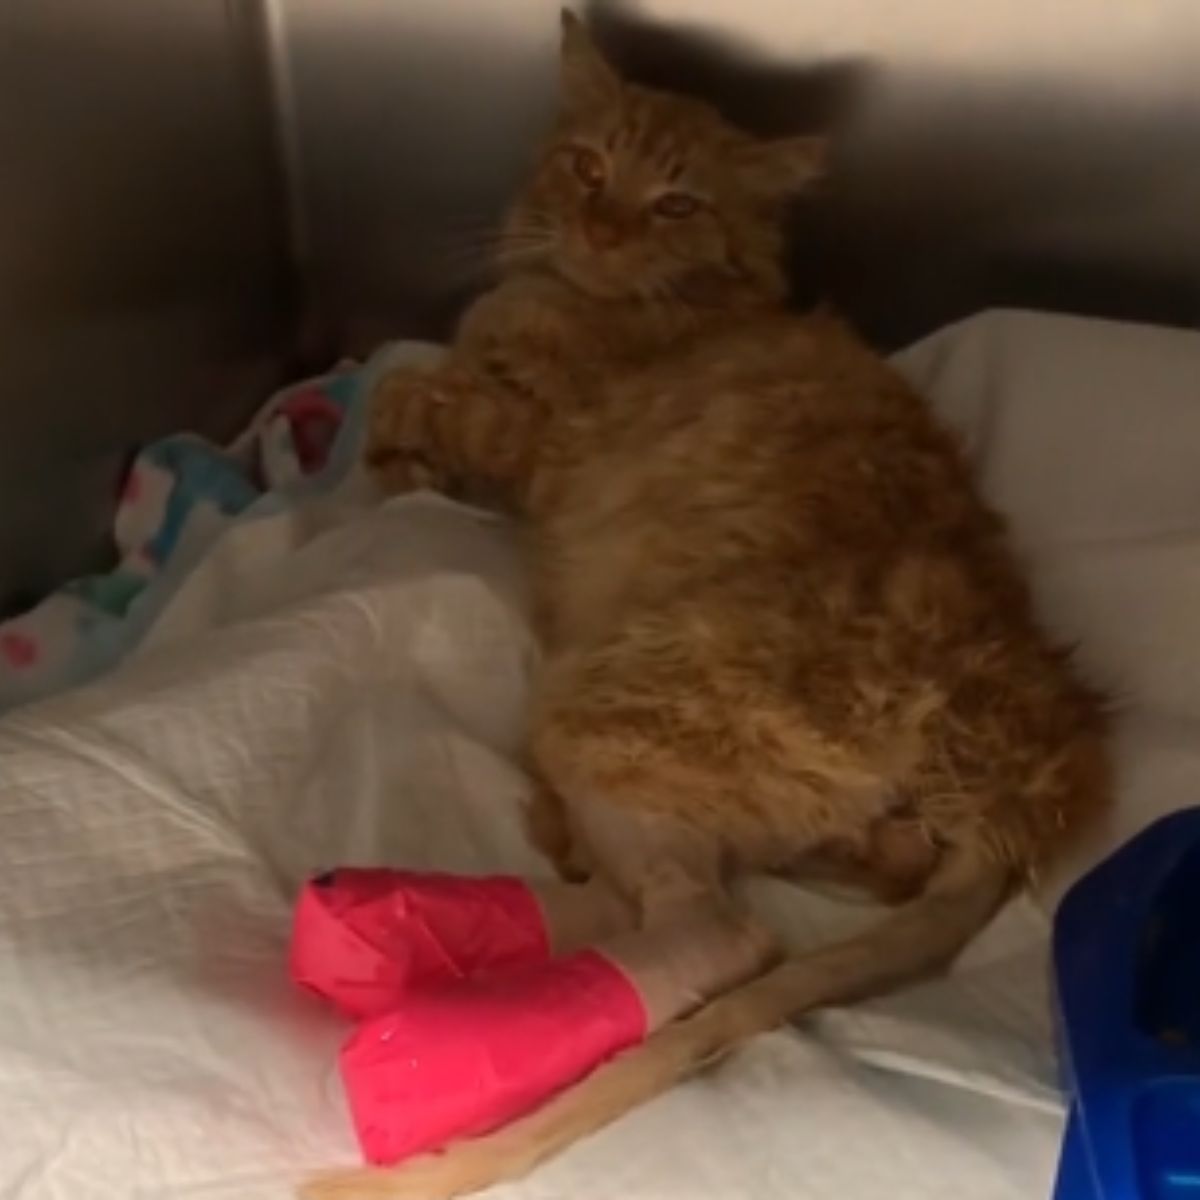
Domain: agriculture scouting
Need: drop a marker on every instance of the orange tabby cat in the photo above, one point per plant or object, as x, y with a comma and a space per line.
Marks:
781, 631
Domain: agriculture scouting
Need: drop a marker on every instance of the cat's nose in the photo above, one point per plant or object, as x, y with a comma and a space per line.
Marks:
603, 233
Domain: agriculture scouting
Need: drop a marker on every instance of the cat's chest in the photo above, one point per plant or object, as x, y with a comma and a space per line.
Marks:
600, 547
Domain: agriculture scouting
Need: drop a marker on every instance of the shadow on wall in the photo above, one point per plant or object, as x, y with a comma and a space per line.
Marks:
950, 194
953, 188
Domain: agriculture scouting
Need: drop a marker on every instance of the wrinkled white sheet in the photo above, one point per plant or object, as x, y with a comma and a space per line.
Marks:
345, 683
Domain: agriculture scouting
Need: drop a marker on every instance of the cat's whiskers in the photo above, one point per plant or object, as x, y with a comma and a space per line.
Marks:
515, 253
481, 249
482, 253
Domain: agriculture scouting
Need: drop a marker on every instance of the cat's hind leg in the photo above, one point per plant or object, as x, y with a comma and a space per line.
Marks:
549, 829
691, 941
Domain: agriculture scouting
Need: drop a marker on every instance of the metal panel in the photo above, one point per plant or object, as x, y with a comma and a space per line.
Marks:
143, 281
989, 152
175, 171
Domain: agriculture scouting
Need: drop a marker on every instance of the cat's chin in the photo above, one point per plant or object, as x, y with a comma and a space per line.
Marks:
591, 284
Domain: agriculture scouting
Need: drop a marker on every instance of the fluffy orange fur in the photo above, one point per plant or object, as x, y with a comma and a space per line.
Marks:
777, 618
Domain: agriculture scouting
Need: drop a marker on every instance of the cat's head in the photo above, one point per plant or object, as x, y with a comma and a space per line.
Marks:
645, 194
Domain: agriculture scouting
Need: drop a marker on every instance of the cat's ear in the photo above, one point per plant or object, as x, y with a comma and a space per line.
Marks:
779, 167
588, 82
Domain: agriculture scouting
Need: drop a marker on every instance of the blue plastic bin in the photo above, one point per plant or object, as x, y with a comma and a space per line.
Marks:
1127, 966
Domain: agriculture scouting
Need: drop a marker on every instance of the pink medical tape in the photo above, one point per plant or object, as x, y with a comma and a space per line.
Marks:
363, 937
465, 1058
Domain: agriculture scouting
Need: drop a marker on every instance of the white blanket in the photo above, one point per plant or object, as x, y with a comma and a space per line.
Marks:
346, 683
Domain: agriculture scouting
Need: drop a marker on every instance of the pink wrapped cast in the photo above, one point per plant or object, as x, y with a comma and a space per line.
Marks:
468, 1022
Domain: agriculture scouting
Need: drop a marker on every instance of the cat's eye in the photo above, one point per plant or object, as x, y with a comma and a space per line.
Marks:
588, 167
675, 205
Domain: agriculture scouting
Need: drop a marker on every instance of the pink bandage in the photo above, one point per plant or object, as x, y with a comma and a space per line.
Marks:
362, 938
464, 1058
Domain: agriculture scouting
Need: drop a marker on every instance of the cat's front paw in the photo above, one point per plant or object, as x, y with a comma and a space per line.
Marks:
405, 441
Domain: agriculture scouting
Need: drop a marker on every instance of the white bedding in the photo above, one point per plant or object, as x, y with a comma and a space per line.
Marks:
345, 684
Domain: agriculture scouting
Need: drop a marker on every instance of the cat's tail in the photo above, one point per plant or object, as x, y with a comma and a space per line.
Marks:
917, 940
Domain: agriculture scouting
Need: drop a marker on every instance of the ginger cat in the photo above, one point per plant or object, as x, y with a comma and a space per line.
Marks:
782, 633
